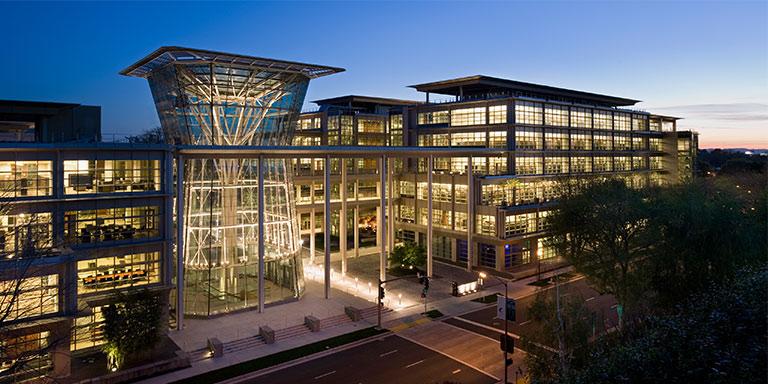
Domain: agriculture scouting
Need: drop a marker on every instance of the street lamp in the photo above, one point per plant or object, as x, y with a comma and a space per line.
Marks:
506, 322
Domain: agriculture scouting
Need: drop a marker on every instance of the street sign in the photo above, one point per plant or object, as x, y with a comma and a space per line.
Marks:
510, 313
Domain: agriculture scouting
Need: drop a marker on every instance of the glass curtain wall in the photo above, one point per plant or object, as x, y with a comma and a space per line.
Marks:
233, 105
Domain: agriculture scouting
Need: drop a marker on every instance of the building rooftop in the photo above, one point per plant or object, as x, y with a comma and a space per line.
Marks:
358, 100
165, 55
467, 87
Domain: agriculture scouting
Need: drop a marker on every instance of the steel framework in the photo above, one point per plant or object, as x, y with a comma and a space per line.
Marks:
211, 98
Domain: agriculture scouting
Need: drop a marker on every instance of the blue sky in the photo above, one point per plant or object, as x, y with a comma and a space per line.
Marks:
705, 61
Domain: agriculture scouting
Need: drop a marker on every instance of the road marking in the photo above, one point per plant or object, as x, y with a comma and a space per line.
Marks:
590, 299
324, 375
388, 353
525, 322
456, 371
447, 355
614, 306
416, 363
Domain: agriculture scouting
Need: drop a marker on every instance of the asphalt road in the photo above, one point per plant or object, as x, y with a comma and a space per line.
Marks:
389, 360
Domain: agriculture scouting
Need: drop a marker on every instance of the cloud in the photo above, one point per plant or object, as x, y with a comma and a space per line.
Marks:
752, 112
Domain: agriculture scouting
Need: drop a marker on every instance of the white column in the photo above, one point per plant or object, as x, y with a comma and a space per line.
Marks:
470, 213
356, 229
327, 229
312, 230
343, 217
383, 218
430, 168
262, 240
179, 242
391, 204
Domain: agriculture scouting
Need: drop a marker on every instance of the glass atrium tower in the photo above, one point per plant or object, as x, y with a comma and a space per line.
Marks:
210, 98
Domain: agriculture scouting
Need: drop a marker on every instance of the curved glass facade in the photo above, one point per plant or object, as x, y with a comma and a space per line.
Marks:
227, 104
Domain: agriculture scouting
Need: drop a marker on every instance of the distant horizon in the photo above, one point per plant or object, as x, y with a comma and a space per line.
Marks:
664, 53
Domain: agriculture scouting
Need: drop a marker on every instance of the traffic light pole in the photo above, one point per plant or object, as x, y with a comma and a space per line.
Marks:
379, 304
380, 296
506, 330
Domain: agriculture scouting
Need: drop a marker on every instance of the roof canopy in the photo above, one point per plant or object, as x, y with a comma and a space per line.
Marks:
165, 55
367, 100
479, 84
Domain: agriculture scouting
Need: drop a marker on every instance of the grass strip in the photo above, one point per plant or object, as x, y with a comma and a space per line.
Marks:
486, 299
280, 357
434, 314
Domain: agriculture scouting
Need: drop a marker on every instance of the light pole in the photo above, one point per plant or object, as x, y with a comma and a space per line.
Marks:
506, 322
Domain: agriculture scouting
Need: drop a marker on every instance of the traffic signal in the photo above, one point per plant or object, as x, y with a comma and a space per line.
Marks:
507, 343
381, 293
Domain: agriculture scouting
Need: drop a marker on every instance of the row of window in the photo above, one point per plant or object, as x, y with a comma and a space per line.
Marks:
493, 139
560, 139
550, 165
495, 114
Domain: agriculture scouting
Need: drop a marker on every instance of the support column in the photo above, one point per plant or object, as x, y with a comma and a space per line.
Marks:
356, 230
262, 239
391, 204
343, 217
470, 213
382, 219
179, 242
430, 168
312, 229
327, 229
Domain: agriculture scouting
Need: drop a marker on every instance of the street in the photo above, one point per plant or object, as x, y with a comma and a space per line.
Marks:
390, 359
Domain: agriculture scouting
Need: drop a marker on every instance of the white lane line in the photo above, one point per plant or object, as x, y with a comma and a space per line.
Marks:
456, 371
590, 299
388, 353
525, 322
324, 375
614, 306
416, 363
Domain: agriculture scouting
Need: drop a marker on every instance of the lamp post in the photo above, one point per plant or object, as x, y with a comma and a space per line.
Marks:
506, 322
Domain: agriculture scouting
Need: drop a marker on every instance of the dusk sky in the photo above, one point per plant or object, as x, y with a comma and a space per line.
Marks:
704, 61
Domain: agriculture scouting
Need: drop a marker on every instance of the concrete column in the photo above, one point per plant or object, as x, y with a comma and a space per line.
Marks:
327, 229
343, 217
356, 230
382, 218
262, 240
179, 242
312, 229
470, 213
391, 204
430, 169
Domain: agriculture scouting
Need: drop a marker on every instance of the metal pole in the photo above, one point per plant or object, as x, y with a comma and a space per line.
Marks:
470, 213
430, 168
327, 229
379, 304
506, 329
343, 217
179, 242
383, 221
262, 240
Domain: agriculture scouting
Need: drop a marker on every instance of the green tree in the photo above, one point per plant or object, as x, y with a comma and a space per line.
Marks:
131, 325
603, 230
407, 255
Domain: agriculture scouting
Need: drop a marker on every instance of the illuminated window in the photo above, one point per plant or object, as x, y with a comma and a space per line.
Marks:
497, 139
639, 122
520, 224
639, 143
581, 164
436, 117
528, 138
544, 251
307, 123
655, 144
468, 116
112, 224
346, 128
668, 126
333, 130
26, 178
112, 272
407, 214
603, 164
486, 225
581, 141
29, 297
33, 350
621, 142
603, 119
622, 163
603, 142
556, 115
440, 218
556, 139
497, 114
460, 220
15, 235
581, 117
638, 162
460, 193
396, 131
407, 189
655, 162
527, 112
468, 139
110, 176
529, 165
555, 165
622, 121
497, 165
